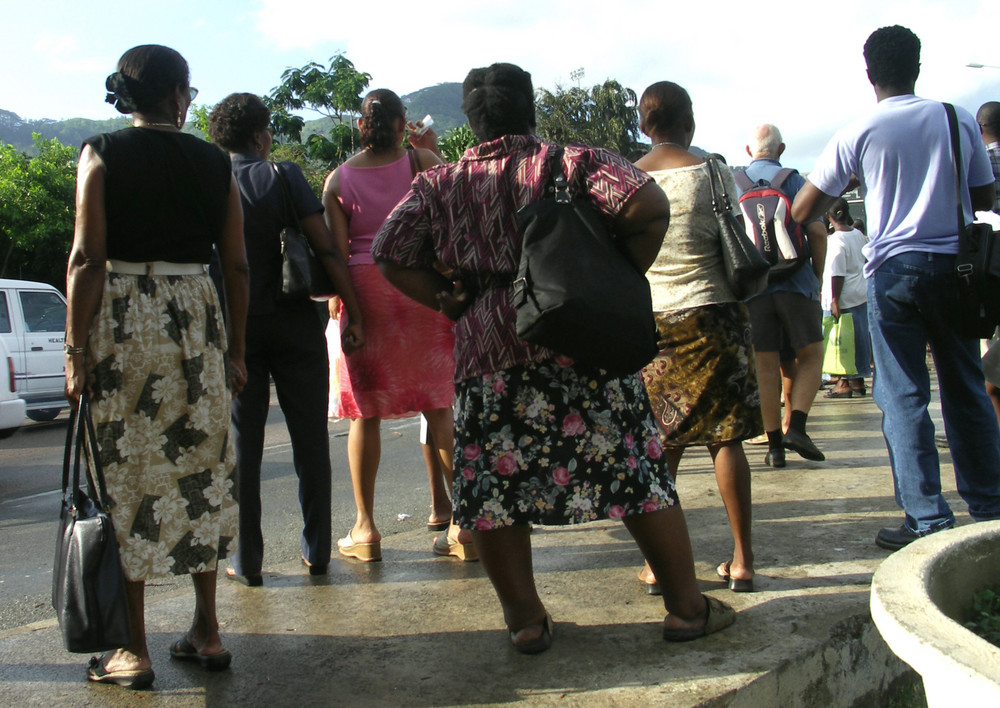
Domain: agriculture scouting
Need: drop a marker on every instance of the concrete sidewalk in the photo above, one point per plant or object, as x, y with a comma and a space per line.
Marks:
417, 630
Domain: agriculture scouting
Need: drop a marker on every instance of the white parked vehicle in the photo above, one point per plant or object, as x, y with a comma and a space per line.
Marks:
33, 326
11, 405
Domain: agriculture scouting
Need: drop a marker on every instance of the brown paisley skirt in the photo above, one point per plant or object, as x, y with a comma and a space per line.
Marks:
703, 383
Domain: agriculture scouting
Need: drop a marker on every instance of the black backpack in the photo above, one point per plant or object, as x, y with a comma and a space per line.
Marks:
767, 216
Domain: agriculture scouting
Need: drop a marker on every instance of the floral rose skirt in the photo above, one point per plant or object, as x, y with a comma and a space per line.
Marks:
161, 408
544, 443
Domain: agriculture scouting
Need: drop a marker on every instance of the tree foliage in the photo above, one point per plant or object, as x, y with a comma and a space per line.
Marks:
37, 210
333, 91
455, 142
604, 116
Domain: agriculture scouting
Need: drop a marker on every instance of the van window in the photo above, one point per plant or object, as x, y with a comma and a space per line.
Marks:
43, 311
4, 315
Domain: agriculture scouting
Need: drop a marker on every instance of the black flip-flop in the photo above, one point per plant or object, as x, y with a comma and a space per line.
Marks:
183, 650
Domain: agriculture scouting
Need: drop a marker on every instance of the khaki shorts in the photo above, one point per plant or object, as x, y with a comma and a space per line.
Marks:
795, 315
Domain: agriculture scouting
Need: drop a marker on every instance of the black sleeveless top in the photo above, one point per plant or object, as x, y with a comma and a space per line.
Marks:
166, 194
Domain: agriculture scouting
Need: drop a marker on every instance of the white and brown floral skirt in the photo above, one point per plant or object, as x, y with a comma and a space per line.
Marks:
161, 408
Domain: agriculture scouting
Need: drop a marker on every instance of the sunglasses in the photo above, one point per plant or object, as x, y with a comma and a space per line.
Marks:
192, 93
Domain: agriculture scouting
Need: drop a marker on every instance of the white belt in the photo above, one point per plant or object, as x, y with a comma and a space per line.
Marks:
156, 268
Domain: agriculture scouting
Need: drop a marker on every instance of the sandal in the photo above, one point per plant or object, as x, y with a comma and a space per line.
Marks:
718, 616
735, 585
445, 546
652, 587
537, 645
366, 552
136, 679
183, 650
842, 393
251, 581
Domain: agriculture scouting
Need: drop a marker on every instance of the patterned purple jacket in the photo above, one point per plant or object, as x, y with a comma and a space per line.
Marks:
465, 215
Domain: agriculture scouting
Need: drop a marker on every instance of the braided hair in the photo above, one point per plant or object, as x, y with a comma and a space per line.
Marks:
146, 75
380, 112
499, 100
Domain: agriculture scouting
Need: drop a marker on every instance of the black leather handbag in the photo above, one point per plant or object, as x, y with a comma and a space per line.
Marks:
978, 263
88, 584
302, 274
746, 267
576, 293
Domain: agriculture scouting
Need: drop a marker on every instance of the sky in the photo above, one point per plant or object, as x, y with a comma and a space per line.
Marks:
795, 64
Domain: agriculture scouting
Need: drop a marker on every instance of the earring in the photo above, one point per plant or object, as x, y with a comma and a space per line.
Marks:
180, 119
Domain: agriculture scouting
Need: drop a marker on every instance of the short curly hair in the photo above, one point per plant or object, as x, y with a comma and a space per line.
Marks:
893, 56
235, 120
380, 111
499, 100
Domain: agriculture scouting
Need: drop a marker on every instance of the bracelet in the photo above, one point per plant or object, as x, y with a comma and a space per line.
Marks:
74, 350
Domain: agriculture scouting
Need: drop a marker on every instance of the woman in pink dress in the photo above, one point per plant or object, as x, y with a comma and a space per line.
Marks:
407, 365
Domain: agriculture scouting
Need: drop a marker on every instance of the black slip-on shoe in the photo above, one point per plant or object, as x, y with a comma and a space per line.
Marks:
802, 444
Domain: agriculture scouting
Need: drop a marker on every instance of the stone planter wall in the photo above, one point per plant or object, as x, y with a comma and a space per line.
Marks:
919, 598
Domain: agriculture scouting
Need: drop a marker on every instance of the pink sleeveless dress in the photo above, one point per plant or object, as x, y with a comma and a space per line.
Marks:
407, 364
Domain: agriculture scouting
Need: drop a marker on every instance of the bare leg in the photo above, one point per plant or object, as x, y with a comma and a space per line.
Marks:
438, 456
789, 370
769, 382
364, 452
506, 555
204, 632
136, 654
662, 536
994, 394
673, 457
809, 372
732, 474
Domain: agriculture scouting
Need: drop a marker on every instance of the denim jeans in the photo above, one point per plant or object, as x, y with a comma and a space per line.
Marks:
912, 303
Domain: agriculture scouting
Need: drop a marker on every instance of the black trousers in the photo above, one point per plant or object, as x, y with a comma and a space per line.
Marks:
288, 346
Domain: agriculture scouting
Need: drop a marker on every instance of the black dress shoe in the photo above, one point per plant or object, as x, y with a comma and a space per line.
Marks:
775, 457
894, 539
802, 444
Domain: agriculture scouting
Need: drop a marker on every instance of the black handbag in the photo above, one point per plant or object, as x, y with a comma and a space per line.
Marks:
978, 263
576, 293
746, 267
88, 584
302, 274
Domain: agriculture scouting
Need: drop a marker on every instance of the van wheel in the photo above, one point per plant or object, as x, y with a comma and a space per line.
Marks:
44, 415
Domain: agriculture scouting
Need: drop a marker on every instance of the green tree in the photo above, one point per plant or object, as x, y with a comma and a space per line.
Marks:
333, 91
605, 116
37, 210
456, 141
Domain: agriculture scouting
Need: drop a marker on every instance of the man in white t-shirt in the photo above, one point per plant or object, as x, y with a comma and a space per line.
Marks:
901, 154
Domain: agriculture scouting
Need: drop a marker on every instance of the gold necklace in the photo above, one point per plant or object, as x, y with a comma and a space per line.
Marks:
161, 125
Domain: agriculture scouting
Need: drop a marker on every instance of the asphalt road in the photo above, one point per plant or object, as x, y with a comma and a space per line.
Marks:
30, 479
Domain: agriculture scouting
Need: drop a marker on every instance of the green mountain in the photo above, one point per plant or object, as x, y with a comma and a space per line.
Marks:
443, 101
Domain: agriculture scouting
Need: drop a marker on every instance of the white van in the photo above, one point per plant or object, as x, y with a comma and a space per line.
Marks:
33, 326
11, 407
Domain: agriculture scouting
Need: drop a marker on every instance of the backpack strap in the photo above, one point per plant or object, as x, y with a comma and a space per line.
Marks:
742, 181
782, 174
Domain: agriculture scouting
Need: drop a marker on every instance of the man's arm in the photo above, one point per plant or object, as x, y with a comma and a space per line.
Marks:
810, 204
816, 235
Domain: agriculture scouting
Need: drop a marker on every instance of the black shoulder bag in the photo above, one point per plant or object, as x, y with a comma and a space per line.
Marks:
978, 263
88, 584
302, 274
576, 293
746, 267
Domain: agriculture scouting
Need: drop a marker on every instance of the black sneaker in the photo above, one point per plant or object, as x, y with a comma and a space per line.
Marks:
802, 444
775, 457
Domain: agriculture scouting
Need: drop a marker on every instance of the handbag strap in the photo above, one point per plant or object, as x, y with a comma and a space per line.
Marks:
956, 161
286, 196
81, 444
724, 205
558, 184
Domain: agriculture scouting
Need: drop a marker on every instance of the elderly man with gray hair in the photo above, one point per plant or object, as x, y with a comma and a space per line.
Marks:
788, 309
